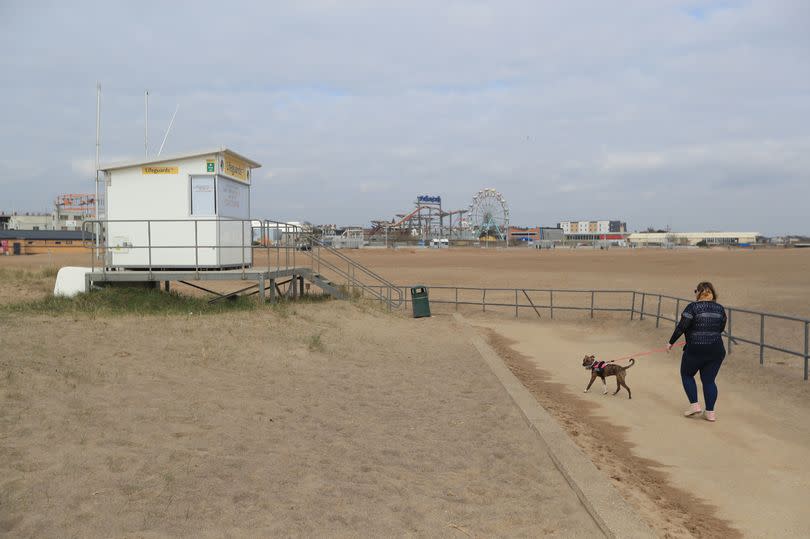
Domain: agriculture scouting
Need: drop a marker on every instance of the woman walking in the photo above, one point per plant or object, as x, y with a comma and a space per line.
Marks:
703, 322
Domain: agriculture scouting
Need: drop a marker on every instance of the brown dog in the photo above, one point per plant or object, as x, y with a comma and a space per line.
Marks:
608, 369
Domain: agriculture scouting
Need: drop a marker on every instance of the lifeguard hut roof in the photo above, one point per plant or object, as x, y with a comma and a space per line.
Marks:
175, 157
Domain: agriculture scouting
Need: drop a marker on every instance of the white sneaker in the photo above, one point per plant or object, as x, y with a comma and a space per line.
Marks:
693, 410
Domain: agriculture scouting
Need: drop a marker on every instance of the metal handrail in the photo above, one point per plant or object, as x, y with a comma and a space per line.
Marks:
354, 282
291, 239
387, 290
658, 314
98, 228
351, 275
354, 263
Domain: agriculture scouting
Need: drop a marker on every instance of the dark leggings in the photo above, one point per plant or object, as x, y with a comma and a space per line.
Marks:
707, 359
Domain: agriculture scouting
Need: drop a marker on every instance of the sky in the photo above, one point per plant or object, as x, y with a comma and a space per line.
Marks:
688, 114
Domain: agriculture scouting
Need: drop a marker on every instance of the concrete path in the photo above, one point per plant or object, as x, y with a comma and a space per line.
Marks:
752, 464
614, 516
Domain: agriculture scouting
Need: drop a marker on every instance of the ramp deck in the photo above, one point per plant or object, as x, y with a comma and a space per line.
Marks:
263, 277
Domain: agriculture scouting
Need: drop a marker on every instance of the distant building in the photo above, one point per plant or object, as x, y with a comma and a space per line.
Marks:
349, 238
641, 239
42, 221
70, 211
518, 234
29, 242
551, 234
592, 227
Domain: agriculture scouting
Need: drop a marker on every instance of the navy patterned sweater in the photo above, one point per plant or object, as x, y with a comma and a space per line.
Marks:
702, 322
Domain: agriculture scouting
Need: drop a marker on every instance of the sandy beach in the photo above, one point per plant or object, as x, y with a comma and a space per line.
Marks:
342, 419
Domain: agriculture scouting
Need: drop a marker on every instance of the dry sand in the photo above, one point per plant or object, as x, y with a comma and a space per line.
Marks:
742, 469
776, 280
752, 467
747, 473
315, 420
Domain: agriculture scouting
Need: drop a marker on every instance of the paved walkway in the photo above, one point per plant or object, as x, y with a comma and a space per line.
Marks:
751, 464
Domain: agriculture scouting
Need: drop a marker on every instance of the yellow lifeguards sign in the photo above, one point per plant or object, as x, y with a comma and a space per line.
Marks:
160, 170
235, 168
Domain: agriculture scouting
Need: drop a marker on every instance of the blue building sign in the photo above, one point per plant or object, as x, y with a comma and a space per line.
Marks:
428, 199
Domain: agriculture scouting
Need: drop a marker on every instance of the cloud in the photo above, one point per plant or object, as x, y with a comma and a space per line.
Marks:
571, 109
84, 167
374, 187
787, 157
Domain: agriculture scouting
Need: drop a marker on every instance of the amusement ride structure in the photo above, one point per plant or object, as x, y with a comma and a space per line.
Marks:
489, 215
426, 221
487, 218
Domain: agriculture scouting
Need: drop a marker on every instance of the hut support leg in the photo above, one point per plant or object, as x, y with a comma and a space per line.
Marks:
261, 289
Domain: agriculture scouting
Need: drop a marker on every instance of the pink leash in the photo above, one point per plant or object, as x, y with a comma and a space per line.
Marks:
648, 352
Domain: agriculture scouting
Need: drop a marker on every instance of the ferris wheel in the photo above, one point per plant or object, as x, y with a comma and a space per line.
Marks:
489, 215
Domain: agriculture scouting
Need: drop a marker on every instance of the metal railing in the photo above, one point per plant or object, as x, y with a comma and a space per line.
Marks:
286, 242
357, 277
751, 320
289, 246
108, 254
757, 328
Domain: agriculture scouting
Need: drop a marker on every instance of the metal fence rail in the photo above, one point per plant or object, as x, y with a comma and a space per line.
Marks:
800, 326
283, 246
289, 242
257, 239
795, 331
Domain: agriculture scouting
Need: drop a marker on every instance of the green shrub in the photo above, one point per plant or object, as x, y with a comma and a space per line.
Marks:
315, 343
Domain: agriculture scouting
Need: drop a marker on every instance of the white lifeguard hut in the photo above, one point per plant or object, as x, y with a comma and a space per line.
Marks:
179, 212
187, 218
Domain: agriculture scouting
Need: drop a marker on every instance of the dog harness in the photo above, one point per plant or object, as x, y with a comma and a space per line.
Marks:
598, 366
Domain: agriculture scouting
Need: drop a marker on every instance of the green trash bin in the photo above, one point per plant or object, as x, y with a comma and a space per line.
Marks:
419, 299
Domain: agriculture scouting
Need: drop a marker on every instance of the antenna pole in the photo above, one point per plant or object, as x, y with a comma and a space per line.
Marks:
98, 150
146, 125
98, 137
167, 130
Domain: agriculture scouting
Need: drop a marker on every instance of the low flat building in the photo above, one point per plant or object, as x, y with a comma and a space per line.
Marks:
642, 239
592, 227
518, 234
614, 238
31, 222
31, 242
